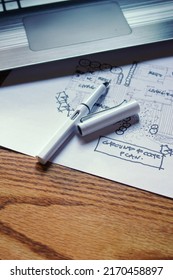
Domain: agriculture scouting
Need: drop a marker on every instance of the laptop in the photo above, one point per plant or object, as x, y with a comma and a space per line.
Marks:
39, 31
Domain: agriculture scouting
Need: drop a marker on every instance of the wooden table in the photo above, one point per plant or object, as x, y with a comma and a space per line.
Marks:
53, 212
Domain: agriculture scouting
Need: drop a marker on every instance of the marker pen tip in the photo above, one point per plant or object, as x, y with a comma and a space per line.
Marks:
106, 84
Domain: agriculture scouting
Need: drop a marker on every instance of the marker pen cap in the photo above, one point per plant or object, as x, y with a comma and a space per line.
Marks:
97, 121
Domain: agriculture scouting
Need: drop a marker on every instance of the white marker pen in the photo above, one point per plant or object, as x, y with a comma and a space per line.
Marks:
102, 119
69, 126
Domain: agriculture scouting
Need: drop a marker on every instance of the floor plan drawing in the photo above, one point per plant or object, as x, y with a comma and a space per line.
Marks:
137, 151
146, 83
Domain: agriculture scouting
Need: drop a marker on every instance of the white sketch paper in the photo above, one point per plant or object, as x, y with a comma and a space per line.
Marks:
137, 151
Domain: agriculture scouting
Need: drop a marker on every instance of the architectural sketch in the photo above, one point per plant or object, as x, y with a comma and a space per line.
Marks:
148, 84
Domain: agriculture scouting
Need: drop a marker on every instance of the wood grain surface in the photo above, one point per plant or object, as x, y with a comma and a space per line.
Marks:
53, 212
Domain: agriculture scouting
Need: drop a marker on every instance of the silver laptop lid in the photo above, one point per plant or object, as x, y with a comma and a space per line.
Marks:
63, 29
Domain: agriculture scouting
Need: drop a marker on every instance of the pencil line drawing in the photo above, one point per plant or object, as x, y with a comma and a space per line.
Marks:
147, 83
